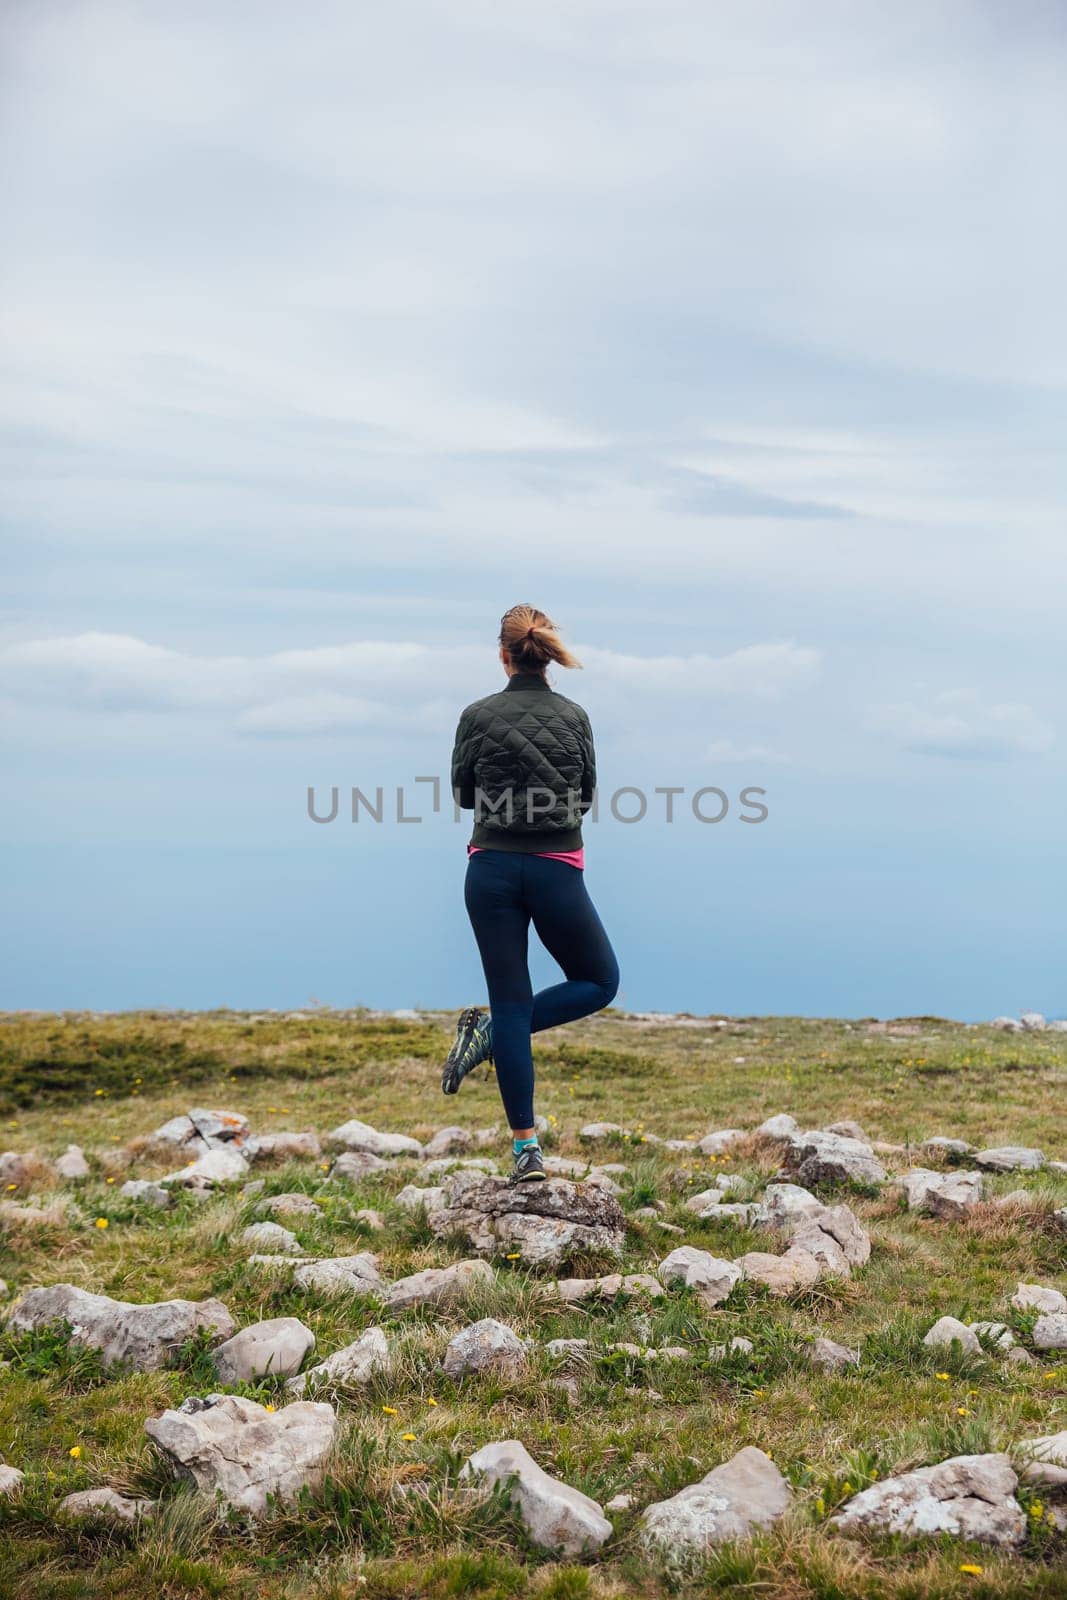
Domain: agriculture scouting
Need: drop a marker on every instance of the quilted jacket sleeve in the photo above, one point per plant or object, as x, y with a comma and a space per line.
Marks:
589, 770
463, 751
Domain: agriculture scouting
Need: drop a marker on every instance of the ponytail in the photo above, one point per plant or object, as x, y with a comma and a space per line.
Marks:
532, 640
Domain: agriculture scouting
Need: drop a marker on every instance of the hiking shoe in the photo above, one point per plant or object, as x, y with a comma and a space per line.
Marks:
472, 1045
529, 1165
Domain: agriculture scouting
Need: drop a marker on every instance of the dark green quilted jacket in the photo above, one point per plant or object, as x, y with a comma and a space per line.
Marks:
524, 763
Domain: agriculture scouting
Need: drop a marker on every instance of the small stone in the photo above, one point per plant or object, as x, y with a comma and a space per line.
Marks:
941, 1144
209, 1171
275, 1348
567, 1349
738, 1346
237, 1449
475, 1164
710, 1278
1037, 1297
782, 1126
355, 1164
357, 1363
717, 1143
10, 1480
596, 1131
730, 1502
994, 1333
629, 1284
1044, 1460
785, 1274
414, 1199
488, 1345
1010, 1158
833, 1357
448, 1142
1006, 1025
285, 1146
707, 1200
847, 1130
290, 1205
556, 1517
152, 1194
359, 1136
105, 1504
968, 1497
948, 1331
72, 1164
785, 1203
272, 1238
1033, 1021
1018, 1357
437, 1285
619, 1502
356, 1274
1050, 1332
370, 1218
822, 1157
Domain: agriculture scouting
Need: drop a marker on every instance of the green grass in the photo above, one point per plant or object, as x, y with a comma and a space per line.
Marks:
393, 1521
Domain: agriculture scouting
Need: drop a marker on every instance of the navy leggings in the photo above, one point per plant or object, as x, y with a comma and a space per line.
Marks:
505, 891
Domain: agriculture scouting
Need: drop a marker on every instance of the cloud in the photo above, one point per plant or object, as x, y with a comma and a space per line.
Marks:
959, 723
361, 684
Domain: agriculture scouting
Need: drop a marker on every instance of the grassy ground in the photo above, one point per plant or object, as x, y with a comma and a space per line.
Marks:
647, 1430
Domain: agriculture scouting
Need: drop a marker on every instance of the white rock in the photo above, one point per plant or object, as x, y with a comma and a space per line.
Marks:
1037, 1297
619, 1502
595, 1131
437, 1285
72, 1163
969, 1497
285, 1146
355, 1164
567, 1349
370, 1218
1044, 1460
602, 1179
717, 1143
947, 1331
1050, 1332
1006, 1025
240, 1450
153, 1194
732, 1183
475, 1164
275, 1348
1033, 1021
290, 1205
995, 1333
556, 1517
953, 1200
833, 1357
412, 1198
782, 1126
448, 1142
699, 1270
219, 1127
784, 1274
10, 1479
106, 1504
359, 1136
563, 1167
485, 1345
543, 1223
832, 1235
738, 1346
272, 1238
146, 1336
209, 1171
847, 1129
177, 1131
629, 1284
784, 1203
356, 1363
707, 1200
941, 1144
823, 1157
356, 1274
1010, 1158
730, 1502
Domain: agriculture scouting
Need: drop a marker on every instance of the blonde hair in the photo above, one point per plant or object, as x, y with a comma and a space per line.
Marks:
532, 640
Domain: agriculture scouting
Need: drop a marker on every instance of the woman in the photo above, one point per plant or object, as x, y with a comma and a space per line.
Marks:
523, 762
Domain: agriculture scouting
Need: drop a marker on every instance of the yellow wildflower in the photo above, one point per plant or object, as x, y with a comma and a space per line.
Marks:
11, 1186
101, 1222
961, 1411
942, 1376
268, 1406
408, 1438
516, 1255
390, 1411
431, 1401
109, 1180
971, 1568
1036, 1509
75, 1451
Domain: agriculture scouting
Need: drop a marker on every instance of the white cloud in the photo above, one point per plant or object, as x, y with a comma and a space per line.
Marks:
367, 683
958, 722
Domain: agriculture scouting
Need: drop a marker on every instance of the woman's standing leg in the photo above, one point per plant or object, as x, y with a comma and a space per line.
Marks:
567, 924
494, 895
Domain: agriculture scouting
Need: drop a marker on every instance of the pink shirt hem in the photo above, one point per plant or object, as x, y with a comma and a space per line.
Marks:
573, 858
